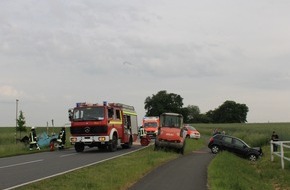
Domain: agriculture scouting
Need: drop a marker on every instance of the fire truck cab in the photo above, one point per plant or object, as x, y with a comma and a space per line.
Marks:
106, 126
170, 132
150, 125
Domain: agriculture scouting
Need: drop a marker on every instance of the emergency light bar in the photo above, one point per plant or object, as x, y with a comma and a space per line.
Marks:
122, 106
80, 104
84, 104
105, 103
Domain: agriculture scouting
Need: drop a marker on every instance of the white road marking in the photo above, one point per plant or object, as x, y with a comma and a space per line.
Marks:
23, 163
68, 155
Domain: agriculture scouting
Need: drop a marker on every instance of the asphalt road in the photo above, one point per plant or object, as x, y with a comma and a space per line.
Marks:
186, 172
20, 170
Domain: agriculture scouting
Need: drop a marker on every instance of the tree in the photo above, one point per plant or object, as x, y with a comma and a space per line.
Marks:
163, 102
21, 123
204, 118
229, 112
193, 114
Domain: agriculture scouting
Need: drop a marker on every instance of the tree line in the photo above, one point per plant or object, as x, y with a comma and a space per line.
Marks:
228, 112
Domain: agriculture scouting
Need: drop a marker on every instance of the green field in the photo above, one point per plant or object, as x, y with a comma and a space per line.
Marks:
10, 145
226, 171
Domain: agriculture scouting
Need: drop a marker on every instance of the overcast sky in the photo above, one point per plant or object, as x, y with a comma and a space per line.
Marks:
56, 53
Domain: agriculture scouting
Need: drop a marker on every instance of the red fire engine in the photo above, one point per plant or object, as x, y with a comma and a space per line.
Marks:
171, 133
105, 126
150, 125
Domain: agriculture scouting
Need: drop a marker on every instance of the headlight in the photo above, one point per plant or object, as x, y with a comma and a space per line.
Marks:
102, 139
73, 139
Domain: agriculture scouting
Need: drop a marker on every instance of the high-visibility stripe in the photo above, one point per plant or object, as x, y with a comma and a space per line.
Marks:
129, 113
115, 122
32, 138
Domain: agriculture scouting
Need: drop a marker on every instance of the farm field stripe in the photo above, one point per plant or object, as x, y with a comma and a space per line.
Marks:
23, 163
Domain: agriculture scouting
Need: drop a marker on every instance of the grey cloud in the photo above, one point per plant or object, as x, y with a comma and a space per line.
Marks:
65, 51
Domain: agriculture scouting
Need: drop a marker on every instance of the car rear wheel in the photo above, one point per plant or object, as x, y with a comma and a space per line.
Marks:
215, 149
252, 157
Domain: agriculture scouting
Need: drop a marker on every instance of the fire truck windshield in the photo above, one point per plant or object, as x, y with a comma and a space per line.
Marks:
150, 124
88, 114
172, 121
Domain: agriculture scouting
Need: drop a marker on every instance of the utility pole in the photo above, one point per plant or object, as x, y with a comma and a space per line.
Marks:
16, 121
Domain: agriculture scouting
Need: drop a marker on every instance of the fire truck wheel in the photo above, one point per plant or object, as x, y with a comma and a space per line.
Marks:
113, 144
79, 147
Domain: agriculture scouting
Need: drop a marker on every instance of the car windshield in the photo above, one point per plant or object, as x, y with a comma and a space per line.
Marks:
244, 143
172, 121
150, 124
191, 128
88, 113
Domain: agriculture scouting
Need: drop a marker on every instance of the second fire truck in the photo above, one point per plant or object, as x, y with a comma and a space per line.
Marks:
150, 125
106, 126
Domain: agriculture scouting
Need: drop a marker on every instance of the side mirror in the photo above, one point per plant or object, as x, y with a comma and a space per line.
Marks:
70, 114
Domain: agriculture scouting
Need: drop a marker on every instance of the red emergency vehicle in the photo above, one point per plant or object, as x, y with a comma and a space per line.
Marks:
171, 133
105, 126
150, 125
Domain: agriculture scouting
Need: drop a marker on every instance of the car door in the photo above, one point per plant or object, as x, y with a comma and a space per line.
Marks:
239, 147
227, 143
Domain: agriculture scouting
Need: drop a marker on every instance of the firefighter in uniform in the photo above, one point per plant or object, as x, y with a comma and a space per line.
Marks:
33, 139
61, 138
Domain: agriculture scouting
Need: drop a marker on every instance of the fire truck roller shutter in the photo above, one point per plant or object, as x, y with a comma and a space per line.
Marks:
133, 123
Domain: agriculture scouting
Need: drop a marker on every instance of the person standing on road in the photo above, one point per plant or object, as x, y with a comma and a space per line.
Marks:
33, 139
275, 137
62, 138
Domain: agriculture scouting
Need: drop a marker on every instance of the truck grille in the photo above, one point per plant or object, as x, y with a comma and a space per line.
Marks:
85, 130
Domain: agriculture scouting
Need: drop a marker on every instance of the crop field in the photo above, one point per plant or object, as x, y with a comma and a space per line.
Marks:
226, 171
